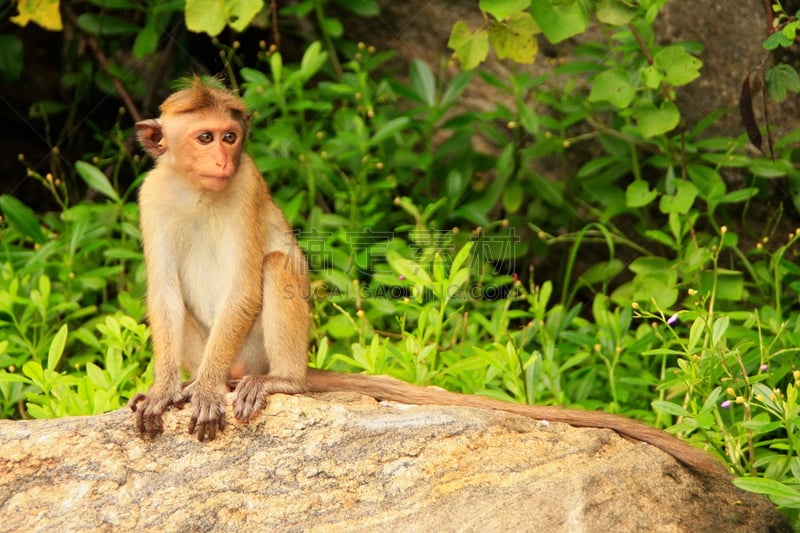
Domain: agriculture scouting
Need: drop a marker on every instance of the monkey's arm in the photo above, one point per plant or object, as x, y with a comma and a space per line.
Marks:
224, 342
387, 388
166, 313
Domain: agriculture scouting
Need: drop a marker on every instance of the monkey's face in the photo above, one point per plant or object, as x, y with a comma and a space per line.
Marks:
205, 149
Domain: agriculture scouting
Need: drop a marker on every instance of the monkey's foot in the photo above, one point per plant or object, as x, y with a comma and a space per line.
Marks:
208, 414
252, 394
148, 410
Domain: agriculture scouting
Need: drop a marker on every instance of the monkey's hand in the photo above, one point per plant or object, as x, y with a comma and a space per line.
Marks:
208, 412
149, 407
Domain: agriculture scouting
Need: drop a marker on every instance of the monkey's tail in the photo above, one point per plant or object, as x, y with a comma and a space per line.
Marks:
387, 388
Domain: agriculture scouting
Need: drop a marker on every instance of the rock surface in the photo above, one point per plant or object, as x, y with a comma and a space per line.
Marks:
343, 462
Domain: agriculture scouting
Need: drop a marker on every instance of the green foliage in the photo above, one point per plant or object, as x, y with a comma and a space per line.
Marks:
11, 57
71, 288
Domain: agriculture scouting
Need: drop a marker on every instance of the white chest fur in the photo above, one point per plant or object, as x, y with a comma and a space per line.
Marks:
210, 257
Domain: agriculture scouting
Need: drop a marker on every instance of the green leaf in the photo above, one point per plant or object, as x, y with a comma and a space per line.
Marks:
614, 12
313, 60
475, 212
546, 190
638, 194
720, 327
728, 284
602, 272
790, 30
560, 19
762, 426
333, 27
407, 268
34, 370
654, 121
708, 181
242, 12
777, 39
205, 16
679, 66
147, 40
105, 25
389, 129
114, 4
780, 80
455, 88
651, 77
669, 408
612, 86
738, 196
501, 9
95, 179
696, 333
515, 39
96, 375
461, 257
513, 195
470, 48
423, 82
22, 218
256, 77
211, 16
57, 348
455, 185
655, 279
45, 108
438, 271
781, 493
340, 326
681, 201
767, 168
11, 57
362, 8
276, 67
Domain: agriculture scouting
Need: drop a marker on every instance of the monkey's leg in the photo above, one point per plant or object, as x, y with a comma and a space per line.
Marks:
285, 324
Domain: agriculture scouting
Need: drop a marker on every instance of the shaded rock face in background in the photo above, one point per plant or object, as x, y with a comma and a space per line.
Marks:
343, 462
731, 32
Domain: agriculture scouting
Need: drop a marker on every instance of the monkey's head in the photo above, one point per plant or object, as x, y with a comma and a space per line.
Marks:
200, 134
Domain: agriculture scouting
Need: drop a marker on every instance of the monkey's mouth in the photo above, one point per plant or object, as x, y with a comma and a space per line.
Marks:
215, 183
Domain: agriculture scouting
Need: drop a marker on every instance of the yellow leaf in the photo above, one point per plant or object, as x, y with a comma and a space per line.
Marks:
515, 39
45, 13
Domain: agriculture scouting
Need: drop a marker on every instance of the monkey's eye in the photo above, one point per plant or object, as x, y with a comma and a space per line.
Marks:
205, 137
229, 137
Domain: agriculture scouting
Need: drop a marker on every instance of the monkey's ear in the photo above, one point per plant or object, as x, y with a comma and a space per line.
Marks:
151, 137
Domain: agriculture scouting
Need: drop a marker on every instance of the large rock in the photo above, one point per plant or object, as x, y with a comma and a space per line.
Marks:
344, 462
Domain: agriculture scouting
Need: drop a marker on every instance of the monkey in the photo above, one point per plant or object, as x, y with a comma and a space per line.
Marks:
228, 287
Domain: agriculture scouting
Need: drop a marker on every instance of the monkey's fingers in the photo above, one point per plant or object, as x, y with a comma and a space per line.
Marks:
148, 416
151, 423
186, 392
252, 396
135, 400
206, 419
